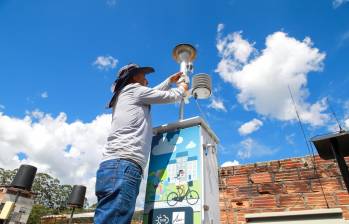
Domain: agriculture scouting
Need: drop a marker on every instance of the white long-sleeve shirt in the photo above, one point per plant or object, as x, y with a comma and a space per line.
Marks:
131, 129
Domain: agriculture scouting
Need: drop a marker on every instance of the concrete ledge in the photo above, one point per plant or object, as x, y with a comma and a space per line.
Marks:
294, 213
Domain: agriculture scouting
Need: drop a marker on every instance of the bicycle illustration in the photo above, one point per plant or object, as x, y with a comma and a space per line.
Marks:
191, 196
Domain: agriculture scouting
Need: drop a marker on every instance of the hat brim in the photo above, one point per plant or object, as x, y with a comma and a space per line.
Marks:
120, 81
146, 70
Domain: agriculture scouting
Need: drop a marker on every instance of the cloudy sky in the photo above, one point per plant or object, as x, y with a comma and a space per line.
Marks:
59, 58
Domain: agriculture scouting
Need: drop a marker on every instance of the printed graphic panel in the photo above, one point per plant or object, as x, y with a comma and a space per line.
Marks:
174, 178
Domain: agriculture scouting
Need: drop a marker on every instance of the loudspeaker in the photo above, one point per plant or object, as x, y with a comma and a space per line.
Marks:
24, 177
77, 196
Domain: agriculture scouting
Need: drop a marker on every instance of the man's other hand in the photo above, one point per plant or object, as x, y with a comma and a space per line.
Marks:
175, 77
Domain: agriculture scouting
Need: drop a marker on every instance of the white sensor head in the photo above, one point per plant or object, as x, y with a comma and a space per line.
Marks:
201, 86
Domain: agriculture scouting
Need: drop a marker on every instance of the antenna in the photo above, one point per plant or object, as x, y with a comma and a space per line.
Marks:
299, 119
311, 152
341, 130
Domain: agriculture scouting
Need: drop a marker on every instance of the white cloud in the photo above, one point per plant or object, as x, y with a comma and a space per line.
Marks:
337, 3
217, 104
233, 46
346, 124
190, 145
346, 116
263, 80
44, 95
346, 106
251, 126
230, 163
290, 139
333, 127
105, 62
220, 27
44, 138
37, 114
249, 147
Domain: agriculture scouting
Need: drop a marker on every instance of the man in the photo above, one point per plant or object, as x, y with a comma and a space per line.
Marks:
128, 145
181, 181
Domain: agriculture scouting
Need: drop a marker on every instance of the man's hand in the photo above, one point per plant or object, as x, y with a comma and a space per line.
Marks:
184, 85
175, 77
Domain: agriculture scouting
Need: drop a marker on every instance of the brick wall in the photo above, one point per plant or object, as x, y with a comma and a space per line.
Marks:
284, 185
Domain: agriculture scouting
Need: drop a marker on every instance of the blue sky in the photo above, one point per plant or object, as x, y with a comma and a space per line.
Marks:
59, 58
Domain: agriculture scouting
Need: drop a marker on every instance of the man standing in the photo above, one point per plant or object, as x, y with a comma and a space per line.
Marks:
129, 142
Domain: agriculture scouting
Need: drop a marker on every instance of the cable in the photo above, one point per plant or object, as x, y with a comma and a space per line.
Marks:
299, 120
219, 173
310, 149
335, 116
202, 113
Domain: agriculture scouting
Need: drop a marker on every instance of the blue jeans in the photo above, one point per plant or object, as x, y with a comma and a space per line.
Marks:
117, 187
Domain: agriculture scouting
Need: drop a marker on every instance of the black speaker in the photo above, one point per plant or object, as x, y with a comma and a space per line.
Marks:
77, 196
24, 177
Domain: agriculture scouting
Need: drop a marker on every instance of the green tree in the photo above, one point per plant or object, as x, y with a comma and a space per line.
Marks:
37, 212
49, 191
6, 176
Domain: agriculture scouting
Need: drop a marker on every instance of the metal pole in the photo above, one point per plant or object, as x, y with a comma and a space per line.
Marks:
341, 162
183, 68
181, 110
71, 216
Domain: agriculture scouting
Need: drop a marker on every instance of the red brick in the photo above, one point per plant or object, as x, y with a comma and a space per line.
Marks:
322, 162
329, 170
258, 178
248, 191
270, 188
328, 185
342, 198
291, 163
241, 217
227, 171
239, 170
261, 167
290, 175
317, 200
231, 192
274, 166
240, 204
297, 186
237, 180
291, 201
306, 174
264, 202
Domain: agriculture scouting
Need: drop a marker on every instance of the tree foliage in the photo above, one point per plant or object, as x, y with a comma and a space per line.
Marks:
6, 176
